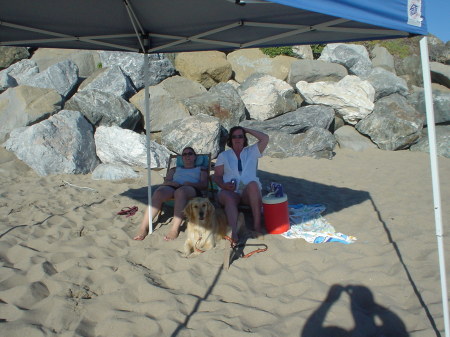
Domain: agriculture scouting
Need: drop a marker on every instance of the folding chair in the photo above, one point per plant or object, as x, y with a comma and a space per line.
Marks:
203, 160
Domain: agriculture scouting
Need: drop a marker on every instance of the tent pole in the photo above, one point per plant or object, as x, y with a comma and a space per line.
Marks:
147, 137
435, 176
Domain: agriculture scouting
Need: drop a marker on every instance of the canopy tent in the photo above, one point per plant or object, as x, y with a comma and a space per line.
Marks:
152, 26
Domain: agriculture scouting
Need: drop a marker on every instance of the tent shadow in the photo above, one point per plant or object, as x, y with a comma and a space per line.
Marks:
308, 192
370, 318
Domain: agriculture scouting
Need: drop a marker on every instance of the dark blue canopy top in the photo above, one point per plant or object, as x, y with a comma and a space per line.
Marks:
187, 25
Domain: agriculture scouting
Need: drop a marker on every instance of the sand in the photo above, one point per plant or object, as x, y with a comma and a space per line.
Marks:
70, 268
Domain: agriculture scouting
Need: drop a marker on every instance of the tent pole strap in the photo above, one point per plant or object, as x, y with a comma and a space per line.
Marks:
147, 137
435, 177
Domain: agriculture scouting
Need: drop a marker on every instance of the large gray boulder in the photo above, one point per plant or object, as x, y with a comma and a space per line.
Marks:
441, 103
265, 96
62, 76
297, 121
316, 143
24, 106
383, 59
410, 68
352, 56
393, 124
442, 141
165, 101
132, 65
87, 61
386, 83
64, 143
10, 55
201, 132
315, 71
348, 138
120, 146
205, 67
111, 80
101, 108
440, 73
246, 62
221, 101
18, 72
351, 97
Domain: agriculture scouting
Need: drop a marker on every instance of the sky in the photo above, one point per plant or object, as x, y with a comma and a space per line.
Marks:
437, 13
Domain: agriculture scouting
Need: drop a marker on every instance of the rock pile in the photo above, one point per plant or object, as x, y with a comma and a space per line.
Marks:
78, 111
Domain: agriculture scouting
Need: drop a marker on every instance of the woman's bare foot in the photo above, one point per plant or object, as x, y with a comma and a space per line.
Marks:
171, 235
141, 234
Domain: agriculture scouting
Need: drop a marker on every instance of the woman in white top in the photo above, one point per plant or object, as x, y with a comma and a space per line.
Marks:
235, 174
182, 184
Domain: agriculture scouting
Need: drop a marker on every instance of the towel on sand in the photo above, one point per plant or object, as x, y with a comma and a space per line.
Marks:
307, 223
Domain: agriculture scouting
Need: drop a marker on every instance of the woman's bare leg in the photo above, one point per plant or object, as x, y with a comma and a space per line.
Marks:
252, 196
163, 193
230, 200
182, 196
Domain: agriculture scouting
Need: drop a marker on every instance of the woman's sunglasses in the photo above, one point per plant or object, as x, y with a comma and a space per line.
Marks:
237, 136
188, 154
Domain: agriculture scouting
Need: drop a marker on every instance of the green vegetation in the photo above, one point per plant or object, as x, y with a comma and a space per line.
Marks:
99, 65
317, 50
399, 48
275, 51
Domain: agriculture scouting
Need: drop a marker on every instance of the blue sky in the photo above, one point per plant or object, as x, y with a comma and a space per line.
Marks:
438, 18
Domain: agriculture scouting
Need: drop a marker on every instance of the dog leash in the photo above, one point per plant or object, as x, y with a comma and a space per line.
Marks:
235, 244
128, 211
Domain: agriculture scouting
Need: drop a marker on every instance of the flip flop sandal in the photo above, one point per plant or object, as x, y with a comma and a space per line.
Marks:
128, 211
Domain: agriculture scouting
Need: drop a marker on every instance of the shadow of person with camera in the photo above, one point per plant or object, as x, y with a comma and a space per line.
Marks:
371, 319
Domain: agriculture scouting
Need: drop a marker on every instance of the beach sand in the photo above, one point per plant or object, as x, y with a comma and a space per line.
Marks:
69, 266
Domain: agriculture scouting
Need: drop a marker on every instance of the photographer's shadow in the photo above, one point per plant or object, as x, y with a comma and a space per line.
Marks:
371, 319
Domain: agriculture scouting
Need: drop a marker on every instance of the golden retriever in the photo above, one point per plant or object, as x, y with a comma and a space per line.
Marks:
206, 225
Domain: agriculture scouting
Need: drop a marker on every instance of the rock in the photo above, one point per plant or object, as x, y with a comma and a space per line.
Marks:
205, 67
386, 83
64, 143
111, 80
101, 108
6, 81
201, 132
246, 62
393, 124
10, 55
113, 172
383, 59
441, 104
120, 146
348, 138
87, 61
352, 56
316, 143
132, 65
411, 68
440, 73
438, 51
265, 96
315, 71
63, 77
166, 100
24, 106
19, 72
351, 97
303, 52
221, 101
297, 121
442, 141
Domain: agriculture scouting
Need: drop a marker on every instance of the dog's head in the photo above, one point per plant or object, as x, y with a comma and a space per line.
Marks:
199, 210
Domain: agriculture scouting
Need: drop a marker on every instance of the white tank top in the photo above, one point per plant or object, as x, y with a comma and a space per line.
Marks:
183, 175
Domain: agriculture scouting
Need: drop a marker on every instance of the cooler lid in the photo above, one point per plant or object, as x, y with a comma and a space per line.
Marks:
270, 199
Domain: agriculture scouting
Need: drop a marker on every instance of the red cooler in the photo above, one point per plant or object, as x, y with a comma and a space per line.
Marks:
276, 214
